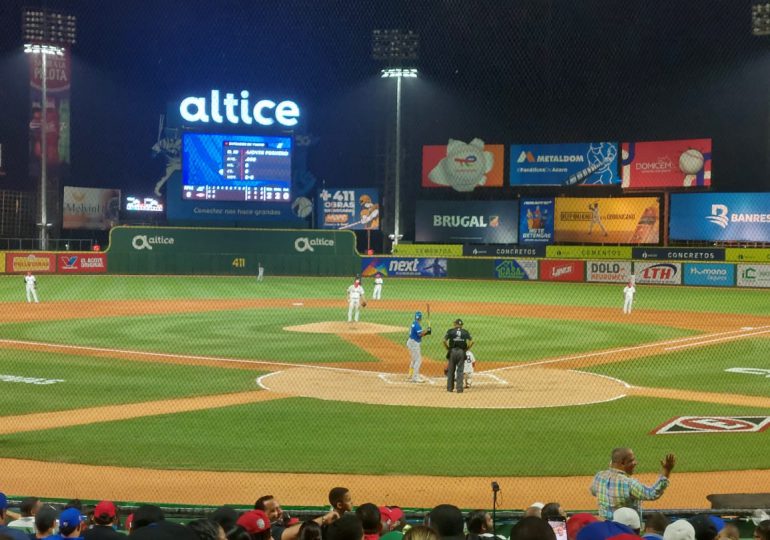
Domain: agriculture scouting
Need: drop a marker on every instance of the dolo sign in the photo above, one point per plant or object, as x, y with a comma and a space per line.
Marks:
232, 110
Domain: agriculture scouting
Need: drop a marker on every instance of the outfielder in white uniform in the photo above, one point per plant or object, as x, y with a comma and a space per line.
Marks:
468, 368
628, 293
377, 293
30, 283
355, 300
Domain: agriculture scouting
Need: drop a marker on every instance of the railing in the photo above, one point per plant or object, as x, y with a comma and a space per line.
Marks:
58, 244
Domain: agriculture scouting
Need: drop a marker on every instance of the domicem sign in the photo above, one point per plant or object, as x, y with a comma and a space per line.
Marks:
232, 110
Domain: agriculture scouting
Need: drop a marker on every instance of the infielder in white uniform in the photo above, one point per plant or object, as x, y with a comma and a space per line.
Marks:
468, 368
377, 293
355, 300
31, 285
628, 293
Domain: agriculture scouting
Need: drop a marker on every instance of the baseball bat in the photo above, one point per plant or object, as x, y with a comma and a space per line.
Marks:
580, 176
428, 311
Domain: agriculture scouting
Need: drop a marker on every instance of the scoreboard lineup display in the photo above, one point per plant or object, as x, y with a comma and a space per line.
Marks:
236, 167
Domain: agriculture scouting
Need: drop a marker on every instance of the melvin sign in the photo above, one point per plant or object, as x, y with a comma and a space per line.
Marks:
265, 112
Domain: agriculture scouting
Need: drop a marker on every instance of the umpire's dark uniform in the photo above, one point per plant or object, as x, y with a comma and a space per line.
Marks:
457, 340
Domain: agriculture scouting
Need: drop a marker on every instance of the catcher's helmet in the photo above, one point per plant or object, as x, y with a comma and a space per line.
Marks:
418, 315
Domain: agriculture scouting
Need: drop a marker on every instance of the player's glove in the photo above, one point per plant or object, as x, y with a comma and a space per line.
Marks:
429, 331
363, 304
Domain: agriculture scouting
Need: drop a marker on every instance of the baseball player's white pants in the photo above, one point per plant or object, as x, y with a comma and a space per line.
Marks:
377, 293
31, 293
627, 304
354, 305
415, 351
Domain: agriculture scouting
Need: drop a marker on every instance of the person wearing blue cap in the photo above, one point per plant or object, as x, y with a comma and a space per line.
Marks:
71, 524
13, 534
414, 344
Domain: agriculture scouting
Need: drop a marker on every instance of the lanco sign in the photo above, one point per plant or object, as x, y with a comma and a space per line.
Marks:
232, 110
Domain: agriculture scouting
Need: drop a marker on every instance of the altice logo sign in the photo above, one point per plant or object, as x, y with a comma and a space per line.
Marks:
232, 110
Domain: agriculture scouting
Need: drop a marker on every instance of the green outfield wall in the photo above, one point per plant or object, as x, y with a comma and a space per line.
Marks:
183, 250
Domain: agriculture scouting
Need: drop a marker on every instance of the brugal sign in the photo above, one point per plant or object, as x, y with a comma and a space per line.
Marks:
232, 110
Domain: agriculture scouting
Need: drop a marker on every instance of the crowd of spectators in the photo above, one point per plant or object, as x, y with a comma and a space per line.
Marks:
368, 521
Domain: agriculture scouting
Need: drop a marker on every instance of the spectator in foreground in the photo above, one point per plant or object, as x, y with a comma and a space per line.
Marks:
421, 532
393, 522
447, 520
340, 500
705, 529
13, 534
225, 516
654, 526
680, 529
729, 532
28, 509
256, 523
603, 530
207, 529
369, 515
480, 526
145, 515
762, 532
309, 530
532, 528
348, 527
105, 519
553, 512
535, 510
577, 522
71, 524
629, 518
45, 522
614, 488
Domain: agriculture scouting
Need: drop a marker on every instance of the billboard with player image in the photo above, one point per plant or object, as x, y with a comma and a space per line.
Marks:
348, 209
536, 220
463, 166
90, 208
620, 220
594, 163
666, 164
727, 217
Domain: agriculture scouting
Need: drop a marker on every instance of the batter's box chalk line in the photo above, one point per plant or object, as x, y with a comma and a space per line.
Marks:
479, 379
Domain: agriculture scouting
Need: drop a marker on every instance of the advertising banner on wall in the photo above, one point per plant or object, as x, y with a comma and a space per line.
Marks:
503, 251
608, 271
678, 254
593, 163
463, 166
516, 269
353, 208
753, 275
403, 267
621, 220
82, 263
536, 221
588, 252
712, 275
747, 254
37, 263
562, 270
482, 222
666, 164
732, 217
90, 208
658, 273
428, 250
57, 130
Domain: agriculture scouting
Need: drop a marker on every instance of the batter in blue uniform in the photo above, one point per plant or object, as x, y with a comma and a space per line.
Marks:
414, 342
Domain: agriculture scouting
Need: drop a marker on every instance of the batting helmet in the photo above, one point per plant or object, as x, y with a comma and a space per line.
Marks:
418, 315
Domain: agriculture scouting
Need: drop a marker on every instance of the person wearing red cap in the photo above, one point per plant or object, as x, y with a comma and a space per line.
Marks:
356, 300
105, 518
576, 522
256, 524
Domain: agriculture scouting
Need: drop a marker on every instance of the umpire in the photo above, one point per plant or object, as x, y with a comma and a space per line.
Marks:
456, 341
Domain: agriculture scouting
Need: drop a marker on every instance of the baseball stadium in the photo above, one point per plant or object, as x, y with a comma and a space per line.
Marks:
421, 290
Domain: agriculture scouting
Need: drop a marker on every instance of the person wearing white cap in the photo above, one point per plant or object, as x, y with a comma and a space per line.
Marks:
356, 300
628, 517
535, 509
681, 529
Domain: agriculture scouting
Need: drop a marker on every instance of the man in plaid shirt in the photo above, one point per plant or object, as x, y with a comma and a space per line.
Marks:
614, 488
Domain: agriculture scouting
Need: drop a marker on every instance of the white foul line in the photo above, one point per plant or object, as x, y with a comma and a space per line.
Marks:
717, 340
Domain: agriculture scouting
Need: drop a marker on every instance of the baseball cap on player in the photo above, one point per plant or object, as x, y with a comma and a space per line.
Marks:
458, 322
417, 315
254, 521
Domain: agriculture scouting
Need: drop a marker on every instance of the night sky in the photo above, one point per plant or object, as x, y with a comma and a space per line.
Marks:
502, 70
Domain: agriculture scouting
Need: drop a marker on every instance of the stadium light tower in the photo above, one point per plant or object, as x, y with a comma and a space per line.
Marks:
46, 33
396, 48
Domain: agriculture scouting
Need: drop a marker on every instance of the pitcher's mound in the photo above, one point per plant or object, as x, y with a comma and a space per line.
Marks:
340, 327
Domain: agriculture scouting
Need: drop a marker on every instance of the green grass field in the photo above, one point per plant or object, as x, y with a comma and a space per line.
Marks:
559, 441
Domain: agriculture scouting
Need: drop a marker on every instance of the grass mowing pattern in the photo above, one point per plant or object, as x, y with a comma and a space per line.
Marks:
677, 370
90, 381
424, 441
